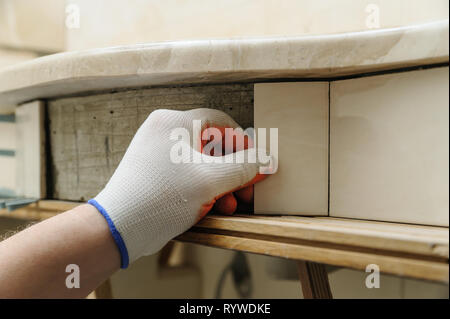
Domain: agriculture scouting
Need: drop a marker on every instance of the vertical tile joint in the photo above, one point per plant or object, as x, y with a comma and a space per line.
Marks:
329, 143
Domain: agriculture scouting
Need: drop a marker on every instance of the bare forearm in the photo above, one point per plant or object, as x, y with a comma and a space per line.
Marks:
33, 262
150, 199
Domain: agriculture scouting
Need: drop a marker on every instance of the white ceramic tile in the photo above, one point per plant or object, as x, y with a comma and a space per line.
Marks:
389, 147
300, 112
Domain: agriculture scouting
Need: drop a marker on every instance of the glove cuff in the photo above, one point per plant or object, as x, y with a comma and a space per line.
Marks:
124, 258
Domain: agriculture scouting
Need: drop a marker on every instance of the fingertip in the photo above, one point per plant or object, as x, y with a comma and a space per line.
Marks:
226, 205
245, 194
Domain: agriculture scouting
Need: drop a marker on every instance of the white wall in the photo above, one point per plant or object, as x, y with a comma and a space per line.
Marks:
116, 22
36, 25
40, 25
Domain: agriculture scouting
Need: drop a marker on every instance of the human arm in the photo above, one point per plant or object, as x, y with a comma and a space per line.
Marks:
150, 199
33, 262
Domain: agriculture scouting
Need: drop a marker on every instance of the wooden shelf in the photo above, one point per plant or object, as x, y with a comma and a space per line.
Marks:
400, 249
39, 211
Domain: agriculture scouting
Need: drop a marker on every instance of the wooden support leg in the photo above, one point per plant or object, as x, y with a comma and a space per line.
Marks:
104, 291
314, 280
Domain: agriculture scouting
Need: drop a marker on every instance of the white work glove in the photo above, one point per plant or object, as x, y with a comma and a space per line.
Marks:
150, 199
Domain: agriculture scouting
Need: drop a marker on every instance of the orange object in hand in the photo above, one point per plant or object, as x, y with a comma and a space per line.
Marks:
227, 203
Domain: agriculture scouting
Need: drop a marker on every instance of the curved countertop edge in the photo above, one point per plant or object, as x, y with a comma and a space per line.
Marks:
224, 61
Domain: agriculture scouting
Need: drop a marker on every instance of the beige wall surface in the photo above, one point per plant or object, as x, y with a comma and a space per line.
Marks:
33, 25
10, 57
115, 22
56, 25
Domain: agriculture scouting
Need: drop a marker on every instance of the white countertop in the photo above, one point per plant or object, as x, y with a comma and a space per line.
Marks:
222, 61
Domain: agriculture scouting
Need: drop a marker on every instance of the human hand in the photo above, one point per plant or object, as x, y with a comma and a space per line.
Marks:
156, 194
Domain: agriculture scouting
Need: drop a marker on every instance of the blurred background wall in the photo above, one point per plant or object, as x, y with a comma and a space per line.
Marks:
33, 28
48, 26
161, 20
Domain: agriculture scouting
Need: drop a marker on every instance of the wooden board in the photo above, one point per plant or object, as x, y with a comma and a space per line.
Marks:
405, 238
89, 134
39, 211
415, 266
314, 280
400, 249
